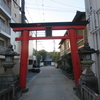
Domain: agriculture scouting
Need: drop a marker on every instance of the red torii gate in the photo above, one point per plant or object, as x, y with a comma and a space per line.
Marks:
25, 28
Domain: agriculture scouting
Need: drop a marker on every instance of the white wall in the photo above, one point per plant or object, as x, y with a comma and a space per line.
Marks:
93, 15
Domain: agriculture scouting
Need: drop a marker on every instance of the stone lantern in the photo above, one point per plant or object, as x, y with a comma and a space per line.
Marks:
88, 77
8, 76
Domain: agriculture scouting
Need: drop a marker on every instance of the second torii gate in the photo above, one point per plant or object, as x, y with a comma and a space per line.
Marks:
25, 28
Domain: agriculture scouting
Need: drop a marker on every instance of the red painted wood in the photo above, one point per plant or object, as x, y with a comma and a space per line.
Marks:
79, 36
24, 59
54, 37
53, 28
43, 38
75, 57
19, 38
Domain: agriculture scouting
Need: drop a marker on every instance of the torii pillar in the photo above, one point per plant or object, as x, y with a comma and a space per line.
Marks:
26, 28
24, 60
75, 57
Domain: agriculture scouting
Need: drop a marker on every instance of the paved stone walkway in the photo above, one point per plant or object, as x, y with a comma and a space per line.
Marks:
50, 84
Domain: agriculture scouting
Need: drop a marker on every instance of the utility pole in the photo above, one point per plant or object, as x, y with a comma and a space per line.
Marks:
36, 48
36, 41
23, 11
54, 46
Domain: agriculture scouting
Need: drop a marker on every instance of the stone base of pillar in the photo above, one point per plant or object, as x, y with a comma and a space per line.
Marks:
25, 90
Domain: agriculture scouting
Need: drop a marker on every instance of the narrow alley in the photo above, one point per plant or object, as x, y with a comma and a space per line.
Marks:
50, 84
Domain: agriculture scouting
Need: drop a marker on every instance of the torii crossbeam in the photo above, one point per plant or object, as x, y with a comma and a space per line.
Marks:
71, 27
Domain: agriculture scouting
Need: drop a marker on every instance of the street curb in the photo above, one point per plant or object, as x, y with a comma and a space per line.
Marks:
65, 74
33, 77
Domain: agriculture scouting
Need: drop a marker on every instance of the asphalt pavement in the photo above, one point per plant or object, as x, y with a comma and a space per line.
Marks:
50, 84
31, 75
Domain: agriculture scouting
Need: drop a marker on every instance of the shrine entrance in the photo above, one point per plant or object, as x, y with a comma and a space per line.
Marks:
25, 28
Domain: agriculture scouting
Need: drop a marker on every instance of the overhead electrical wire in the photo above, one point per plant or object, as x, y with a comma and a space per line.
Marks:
55, 7
55, 10
38, 9
43, 11
29, 14
26, 18
51, 8
65, 4
31, 4
32, 21
40, 18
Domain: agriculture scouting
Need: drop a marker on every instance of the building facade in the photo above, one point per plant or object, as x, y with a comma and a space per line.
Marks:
93, 16
65, 43
9, 13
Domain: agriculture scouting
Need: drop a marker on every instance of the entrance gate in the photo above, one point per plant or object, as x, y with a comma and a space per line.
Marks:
25, 28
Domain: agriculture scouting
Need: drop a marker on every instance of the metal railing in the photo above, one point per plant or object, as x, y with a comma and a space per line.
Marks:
88, 94
5, 7
5, 28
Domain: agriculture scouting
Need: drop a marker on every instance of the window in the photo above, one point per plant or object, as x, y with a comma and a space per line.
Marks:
68, 44
15, 15
1, 43
2, 20
30, 62
90, 23
14, 47
98, 17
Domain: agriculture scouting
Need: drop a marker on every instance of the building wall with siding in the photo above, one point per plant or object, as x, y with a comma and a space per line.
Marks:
93, 16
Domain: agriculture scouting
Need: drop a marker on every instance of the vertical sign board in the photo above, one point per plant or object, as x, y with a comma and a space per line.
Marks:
48, 31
